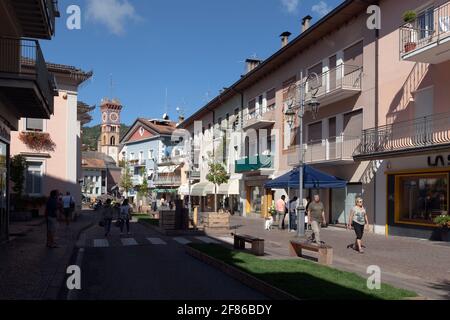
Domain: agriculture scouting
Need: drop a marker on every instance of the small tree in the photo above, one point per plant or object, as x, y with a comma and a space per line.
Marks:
18, 167
143, 190
126, 182
217, 175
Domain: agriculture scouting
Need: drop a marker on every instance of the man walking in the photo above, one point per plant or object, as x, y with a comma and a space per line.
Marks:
316, 216
281, 211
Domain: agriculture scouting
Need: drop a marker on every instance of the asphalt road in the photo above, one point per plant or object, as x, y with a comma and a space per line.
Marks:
148, 266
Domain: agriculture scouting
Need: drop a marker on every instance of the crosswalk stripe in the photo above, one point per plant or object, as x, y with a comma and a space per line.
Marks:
129, 242
156, 241
182, 240
101, 243
207, 240
226, 239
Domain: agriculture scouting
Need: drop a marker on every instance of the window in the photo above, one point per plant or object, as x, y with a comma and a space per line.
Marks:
425, 23
113, 141
353, 124
260, 104
132, 156
315, 132
33, 178
252, 107
150, 154
422, 197
270, 96
34, 124
353, 57
97, 190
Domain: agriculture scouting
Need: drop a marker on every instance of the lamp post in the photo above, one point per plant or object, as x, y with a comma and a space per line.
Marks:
299, 109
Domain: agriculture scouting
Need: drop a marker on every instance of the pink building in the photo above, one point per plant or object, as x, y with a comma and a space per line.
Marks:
382, 124
59, 168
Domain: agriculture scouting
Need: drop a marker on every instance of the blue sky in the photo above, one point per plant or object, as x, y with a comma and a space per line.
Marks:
192, 48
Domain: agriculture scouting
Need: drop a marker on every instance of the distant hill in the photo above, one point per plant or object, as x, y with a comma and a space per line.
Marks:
91, 134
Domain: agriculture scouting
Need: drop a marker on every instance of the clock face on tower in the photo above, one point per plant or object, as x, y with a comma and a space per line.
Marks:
114, 117
105, 117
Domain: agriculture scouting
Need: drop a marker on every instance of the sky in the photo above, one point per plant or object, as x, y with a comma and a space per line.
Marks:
189, 49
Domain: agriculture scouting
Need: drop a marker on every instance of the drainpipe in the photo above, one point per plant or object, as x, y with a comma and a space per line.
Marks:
377, 101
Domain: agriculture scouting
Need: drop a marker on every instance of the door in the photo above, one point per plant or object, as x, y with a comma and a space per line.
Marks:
342, 201
424, 102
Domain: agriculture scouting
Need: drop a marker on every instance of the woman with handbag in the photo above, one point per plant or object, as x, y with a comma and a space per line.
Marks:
125, 216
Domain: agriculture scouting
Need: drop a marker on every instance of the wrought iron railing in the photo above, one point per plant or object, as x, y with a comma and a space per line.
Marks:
404, 136
258, 113
24, 58
429, 27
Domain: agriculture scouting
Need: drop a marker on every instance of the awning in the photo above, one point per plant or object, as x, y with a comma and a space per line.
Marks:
313, 179
231, 188
202, 189
183, 190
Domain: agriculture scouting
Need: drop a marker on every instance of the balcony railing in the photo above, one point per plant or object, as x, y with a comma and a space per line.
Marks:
167, 180
334, 149
254, 163
427, 31
258, 113
432, 132
23, 59
336, 80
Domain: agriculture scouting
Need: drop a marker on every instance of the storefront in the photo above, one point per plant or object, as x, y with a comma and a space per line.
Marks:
4, 177
416, 196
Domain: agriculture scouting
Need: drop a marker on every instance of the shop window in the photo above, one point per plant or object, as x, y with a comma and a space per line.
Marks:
421, 198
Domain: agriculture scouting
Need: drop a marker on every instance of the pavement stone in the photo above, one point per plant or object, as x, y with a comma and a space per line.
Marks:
31, 271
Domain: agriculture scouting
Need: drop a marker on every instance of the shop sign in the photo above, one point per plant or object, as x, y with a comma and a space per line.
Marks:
438, 161
5, 132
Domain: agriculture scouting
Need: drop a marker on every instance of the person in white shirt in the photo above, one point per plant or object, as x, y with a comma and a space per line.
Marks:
68, 206
125, 216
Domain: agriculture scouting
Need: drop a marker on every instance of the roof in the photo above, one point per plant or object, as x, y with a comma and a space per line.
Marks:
97, 160
83, 112
93, 163
158, 127
338, 16
74, 72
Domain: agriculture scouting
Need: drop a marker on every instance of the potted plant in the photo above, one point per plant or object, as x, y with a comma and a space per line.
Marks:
409, 32
443, 222
37, 141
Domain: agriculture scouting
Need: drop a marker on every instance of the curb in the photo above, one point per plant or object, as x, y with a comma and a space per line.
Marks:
243, 277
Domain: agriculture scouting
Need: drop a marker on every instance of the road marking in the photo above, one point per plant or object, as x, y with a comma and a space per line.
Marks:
207, 240
129, 242
182, 240
156, 241
101, 243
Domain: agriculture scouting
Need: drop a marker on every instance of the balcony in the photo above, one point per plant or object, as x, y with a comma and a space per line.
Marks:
172, 160
255, 163
427, 39
167, 180
137, 180
137, 163
260, 118
36, 18
25, 81
334, 150
405, 138
339, 83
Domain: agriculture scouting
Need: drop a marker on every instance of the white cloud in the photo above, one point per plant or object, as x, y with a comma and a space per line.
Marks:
322, 8
290, 6
114, 14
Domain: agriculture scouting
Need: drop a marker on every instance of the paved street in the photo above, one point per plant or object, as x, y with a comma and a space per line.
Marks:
419, 265
146, 265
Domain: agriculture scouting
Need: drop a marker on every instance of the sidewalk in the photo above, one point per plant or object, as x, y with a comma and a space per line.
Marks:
418, 265
31, 271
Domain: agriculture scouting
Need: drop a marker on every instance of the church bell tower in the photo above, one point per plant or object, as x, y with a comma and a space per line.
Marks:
110, 132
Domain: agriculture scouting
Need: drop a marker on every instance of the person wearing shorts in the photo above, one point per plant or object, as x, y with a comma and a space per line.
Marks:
358, 220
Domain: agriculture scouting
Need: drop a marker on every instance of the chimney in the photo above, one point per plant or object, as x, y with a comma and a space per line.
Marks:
252, 63
306, 22
285, 38
180, 119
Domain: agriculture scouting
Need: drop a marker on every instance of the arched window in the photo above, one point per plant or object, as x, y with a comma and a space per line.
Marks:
113, 141
104, 140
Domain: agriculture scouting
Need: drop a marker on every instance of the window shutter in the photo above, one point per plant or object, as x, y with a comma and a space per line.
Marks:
252, 106
35, 124
270, 96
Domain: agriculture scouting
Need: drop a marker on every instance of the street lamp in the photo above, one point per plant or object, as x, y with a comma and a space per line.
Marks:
299, 109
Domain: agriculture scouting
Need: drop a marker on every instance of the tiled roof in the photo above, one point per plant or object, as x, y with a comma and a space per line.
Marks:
160, 127
93, 163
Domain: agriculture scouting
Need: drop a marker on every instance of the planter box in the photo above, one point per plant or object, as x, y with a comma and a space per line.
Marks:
216, 221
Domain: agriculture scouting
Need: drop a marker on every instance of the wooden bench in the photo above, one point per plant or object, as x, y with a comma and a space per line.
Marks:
325, 252
257, 244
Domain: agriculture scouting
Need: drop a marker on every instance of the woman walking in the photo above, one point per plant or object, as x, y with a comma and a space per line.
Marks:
358, 220
107, 212
125, 216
